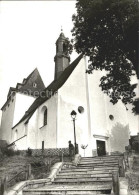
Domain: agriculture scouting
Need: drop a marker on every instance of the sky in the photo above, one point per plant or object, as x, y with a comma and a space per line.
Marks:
28, 32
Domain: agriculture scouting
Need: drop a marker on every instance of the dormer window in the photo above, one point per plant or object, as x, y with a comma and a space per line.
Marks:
34, 85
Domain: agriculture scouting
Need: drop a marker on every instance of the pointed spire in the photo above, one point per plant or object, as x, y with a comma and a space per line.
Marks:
62, 34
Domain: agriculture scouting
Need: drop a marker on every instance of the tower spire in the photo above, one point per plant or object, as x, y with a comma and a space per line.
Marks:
62, 57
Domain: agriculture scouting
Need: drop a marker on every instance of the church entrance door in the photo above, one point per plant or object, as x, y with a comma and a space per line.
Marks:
101, 148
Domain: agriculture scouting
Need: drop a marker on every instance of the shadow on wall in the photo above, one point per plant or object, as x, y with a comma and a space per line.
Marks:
119, 137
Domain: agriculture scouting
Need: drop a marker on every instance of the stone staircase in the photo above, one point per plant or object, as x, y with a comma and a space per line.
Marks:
96, 175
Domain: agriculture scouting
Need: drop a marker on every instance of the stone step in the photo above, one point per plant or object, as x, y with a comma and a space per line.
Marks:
88, 169
75, 182
108, 156
94, 165
99, 164
100, 161
78, 172
89, 166
84, 176
78, 180
64, 193
70, 190
100, 157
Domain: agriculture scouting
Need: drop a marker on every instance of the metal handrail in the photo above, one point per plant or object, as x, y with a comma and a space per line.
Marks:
16, 175
16, 141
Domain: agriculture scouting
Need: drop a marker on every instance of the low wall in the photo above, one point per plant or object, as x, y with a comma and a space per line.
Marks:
48, 152
3, 144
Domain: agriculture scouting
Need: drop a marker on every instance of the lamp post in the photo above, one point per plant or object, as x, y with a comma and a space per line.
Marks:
73, 116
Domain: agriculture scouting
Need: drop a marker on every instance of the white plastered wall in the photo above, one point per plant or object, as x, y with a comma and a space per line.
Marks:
17, 132
101, 108
70, 96
7, 120
48, 133
23, 102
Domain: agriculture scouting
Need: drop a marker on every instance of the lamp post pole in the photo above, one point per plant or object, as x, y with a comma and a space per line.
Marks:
73, 116
74, 133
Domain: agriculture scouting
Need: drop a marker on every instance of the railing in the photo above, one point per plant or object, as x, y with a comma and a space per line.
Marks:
5, 183
16, 141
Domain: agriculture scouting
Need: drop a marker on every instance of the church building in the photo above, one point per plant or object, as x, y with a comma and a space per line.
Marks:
34, 114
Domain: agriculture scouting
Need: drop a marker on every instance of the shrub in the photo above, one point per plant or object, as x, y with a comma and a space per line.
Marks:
9, 152
17, 152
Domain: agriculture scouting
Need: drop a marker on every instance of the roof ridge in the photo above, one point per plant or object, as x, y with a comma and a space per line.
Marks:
36, 69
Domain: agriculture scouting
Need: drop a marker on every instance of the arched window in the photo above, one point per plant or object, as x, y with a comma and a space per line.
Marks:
45, 117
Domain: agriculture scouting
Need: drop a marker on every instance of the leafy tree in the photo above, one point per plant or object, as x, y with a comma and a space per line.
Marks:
106, 31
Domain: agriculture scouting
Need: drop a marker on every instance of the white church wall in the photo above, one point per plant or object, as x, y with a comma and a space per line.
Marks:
133, 121
23, 102
118, 126
35, 131
101, 109
30, 130
97, 105
18, 132
98, 111
47, 133
132, 118
7, 120
70, 96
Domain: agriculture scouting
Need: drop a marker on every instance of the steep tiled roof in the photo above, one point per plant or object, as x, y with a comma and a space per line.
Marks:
27, 86
53, 87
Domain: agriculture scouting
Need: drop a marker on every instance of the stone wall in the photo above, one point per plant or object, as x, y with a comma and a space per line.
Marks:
48, 152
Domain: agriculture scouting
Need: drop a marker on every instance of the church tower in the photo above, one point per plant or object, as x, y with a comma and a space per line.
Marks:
62, 57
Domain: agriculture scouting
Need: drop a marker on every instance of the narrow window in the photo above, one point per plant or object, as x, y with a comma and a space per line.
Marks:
45, 117
35, 85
